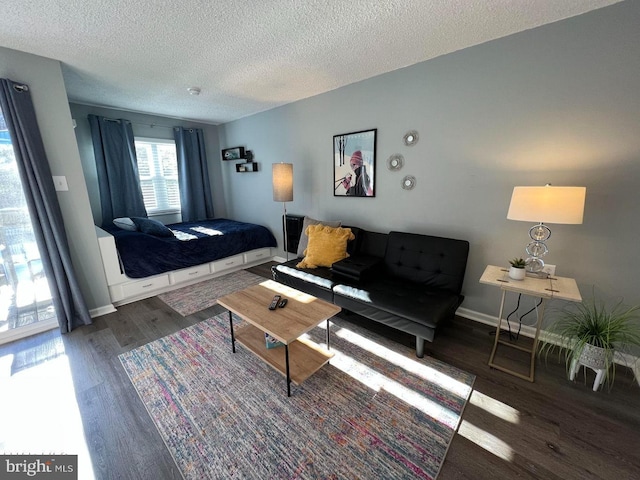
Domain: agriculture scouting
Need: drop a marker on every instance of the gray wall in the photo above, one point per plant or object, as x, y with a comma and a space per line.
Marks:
557, 104
141, 125
51, 104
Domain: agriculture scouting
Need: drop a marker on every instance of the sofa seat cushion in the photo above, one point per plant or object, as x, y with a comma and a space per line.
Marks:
412, 301
358, 267
317, 282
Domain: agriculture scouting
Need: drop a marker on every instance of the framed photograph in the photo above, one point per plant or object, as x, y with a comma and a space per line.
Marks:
235, 153
354, 164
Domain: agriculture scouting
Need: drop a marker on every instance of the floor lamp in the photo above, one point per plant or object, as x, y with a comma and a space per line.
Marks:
282, 177
548, 204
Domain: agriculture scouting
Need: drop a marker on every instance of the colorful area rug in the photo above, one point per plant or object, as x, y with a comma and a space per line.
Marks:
197, 297
376, 411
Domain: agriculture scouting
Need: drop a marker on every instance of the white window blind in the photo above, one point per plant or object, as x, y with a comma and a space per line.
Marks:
158, 171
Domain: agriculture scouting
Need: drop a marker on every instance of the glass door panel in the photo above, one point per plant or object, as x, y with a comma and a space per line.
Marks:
25, 298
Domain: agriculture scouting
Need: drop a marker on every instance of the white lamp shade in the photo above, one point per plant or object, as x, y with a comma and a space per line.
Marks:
548, 204
282, 176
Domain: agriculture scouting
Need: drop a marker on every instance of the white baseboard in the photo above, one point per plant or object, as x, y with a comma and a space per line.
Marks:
98, 312
624, 359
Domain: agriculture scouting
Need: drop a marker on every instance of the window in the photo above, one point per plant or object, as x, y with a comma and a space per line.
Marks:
158, 170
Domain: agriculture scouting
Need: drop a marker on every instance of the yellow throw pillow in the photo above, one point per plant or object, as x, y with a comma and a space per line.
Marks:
327, 245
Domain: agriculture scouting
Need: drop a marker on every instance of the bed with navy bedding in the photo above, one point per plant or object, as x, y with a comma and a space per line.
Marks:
193, 243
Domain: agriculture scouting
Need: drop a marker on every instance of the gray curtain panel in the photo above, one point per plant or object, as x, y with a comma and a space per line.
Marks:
117, 166
196, 199
46, 216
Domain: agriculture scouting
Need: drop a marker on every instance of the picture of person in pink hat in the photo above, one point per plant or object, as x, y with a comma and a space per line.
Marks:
354, 160
361, 187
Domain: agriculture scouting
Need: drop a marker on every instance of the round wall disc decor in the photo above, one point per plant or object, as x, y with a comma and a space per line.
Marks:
395, 162
410, 138
409, 182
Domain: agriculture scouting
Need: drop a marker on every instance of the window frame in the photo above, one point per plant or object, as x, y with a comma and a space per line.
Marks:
156, 166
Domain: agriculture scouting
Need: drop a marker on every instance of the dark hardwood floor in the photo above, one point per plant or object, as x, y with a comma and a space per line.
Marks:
550, 429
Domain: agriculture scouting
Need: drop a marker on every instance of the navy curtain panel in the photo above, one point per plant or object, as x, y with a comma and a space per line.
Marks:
117, 166
196, 200
46, 216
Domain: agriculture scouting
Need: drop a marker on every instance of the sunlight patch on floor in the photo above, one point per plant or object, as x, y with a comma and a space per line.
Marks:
414, 367
40, 414
377, 381
495, 407
485, 440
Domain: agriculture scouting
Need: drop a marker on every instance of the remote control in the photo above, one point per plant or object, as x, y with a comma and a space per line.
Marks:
282, 303
274, 302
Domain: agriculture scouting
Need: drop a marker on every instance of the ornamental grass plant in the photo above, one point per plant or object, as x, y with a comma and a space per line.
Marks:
592, 322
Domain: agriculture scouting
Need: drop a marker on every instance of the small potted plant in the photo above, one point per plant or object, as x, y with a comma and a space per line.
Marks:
517, 271
588, 333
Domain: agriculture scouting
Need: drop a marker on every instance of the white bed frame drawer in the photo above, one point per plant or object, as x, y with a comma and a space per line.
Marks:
255, 255
227, 263
187, 274
131, 289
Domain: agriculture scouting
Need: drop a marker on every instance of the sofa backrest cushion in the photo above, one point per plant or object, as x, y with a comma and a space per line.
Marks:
354, 245
373, 243
433, 261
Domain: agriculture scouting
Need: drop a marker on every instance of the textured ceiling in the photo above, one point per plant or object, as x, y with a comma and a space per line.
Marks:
249, 56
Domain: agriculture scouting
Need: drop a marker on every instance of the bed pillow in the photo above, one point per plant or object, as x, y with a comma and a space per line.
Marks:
125, 223
327, 245
304, 239
152, 227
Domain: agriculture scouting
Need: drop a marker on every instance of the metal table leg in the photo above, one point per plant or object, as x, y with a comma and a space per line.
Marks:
328, 341
233, 338
286, 352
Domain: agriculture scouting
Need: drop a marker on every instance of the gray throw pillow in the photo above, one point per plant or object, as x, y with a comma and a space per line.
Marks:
304, 238
125, 223
152, 227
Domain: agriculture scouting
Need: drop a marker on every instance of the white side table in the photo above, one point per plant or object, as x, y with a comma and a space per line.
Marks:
553, 287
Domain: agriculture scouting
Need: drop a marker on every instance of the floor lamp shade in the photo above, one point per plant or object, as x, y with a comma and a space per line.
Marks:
282, 176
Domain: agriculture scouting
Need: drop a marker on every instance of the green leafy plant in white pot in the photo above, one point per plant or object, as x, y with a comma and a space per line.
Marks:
588, 333
517, 271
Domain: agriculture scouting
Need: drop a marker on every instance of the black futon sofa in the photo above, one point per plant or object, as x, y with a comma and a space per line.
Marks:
407, 281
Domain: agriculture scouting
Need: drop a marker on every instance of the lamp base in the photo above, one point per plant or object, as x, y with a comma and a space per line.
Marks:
537, 248
534, 264
542, 274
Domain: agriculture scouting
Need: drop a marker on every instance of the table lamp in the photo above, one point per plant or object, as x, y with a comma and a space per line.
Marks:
548, 204
282, 178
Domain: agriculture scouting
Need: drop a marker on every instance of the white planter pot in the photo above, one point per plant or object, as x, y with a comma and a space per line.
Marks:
594, 357
517, 273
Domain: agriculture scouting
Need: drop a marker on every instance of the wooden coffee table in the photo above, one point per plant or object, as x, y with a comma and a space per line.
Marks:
298, 359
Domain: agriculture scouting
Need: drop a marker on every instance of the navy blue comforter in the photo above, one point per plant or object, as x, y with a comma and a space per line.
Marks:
194, 243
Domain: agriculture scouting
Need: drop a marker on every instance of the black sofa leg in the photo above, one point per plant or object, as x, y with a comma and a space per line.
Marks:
419, 347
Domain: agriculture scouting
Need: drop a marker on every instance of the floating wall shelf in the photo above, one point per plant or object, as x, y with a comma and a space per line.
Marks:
247, 167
